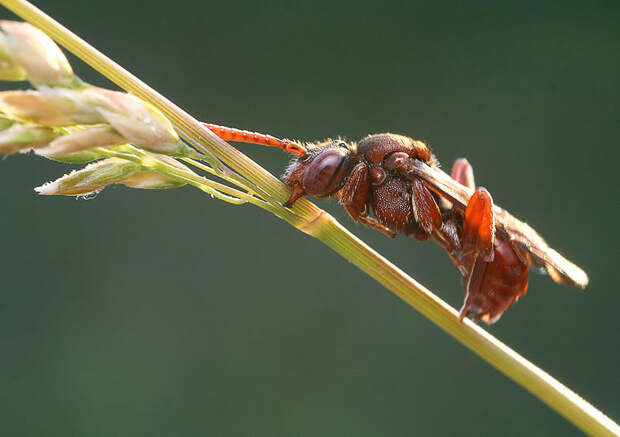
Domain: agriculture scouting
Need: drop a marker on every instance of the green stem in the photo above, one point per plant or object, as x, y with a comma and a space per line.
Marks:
310, 219
212, 171
213, 188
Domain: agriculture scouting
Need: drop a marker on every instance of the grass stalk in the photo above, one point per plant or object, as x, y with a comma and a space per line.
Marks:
317, 223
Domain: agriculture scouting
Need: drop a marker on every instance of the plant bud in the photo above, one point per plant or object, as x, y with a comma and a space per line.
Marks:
81, 140
36, 54
50, 107
83, 157
151, 180
5, 122
139, 122
9, 69
91, 179
23, 137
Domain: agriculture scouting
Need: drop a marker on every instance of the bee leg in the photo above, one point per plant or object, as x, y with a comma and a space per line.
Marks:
426, 214
448, 237
296, 193
373, 223
354, 198
475, 302
486, 296
425, 210
354, 193
479, 220
478, 232
492, 287
463, 173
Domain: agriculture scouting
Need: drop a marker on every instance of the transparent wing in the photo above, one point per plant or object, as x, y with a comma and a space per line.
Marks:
559, 268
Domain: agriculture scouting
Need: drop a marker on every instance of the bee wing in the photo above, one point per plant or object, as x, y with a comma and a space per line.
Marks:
541, 255
559, 268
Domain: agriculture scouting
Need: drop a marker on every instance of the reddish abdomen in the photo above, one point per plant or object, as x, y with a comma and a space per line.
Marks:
504, 280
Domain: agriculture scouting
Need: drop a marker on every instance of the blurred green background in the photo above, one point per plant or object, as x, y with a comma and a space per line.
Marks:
168, 313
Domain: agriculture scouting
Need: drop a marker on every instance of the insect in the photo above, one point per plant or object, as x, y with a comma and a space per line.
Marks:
393, 184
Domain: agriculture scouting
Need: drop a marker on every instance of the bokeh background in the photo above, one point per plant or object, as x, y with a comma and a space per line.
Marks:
169, 313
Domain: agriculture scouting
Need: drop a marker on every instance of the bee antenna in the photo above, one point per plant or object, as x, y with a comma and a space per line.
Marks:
244, 136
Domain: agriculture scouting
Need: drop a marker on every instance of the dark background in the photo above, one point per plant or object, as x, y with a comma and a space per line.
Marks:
168, 313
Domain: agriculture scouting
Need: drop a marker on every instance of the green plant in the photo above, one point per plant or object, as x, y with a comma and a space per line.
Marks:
257, 186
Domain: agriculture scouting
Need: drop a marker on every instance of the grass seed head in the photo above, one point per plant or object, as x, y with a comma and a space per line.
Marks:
26, 52
83, 157
91, 179
50, 107
139, 122
80, 141
9, 68
22, 138
151, 180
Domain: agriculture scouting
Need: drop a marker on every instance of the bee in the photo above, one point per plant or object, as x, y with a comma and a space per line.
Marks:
393, 184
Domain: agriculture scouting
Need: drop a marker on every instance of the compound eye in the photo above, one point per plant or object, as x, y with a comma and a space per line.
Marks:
325, 174
342, 144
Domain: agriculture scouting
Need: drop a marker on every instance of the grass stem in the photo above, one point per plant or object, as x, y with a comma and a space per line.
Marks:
313, 221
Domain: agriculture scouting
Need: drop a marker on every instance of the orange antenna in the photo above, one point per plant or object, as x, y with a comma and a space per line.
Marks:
244, 136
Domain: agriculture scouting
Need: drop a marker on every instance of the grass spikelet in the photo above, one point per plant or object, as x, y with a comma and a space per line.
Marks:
252, 184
